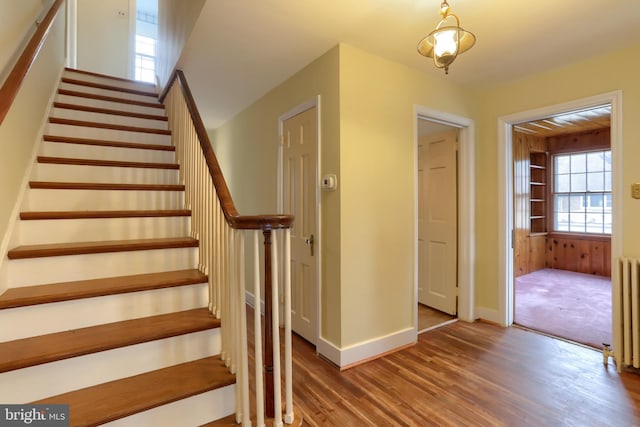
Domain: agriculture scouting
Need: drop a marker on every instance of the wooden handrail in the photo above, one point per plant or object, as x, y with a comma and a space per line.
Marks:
12, 84
235, 220
266, 223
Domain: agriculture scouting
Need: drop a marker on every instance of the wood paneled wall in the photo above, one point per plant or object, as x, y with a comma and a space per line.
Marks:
528, 250
580, 253
584, 254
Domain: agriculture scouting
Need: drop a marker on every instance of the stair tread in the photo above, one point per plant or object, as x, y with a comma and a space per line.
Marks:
117, 399
107, 143
81, 94
110, 163
39, 215
110, 111
81, 248
56, 185
110, 126
151, 93
66, 291
25, 352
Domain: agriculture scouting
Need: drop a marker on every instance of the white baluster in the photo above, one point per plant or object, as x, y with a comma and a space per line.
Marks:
257, 325
288, 382
277, 393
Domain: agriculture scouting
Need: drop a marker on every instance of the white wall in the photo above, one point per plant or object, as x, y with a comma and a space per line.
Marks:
17, 25
176, 19
104, 35
22, 128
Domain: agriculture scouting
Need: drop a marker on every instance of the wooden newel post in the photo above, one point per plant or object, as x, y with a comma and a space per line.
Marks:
268, 328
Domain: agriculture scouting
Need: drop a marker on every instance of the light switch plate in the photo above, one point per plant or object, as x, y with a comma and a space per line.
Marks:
635, 190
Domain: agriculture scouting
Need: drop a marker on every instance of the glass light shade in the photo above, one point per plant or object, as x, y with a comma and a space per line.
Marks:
446, 42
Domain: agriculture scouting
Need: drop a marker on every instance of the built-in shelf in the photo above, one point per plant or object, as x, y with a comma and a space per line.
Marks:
538, 195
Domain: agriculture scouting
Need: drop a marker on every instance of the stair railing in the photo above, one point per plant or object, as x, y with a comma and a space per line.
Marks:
221, 232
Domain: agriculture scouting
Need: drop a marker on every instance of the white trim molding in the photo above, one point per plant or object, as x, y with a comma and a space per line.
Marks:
366, 350
466, 208
505, 187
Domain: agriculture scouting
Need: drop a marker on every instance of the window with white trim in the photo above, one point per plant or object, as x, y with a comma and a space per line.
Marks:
582, 192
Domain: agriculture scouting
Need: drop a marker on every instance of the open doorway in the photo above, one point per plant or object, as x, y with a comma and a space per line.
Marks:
562, 225
465, 205
507, 202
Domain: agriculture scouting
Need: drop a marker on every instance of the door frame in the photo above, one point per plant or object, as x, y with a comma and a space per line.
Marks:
505, 191
313, 102
466, 208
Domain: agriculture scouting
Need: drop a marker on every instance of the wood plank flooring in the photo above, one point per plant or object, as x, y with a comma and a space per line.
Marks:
468, 374
429, 318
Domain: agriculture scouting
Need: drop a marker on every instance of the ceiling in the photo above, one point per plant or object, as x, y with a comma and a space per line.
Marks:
240, 49
568, 123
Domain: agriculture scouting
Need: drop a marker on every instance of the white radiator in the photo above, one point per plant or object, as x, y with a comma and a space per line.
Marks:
626, 313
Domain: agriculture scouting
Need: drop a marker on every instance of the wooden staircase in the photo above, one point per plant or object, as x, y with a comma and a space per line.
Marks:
106, 310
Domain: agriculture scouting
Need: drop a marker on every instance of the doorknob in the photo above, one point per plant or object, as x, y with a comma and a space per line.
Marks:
309, 242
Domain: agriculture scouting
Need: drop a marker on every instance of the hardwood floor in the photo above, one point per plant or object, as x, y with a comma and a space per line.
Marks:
468, 374
429, 317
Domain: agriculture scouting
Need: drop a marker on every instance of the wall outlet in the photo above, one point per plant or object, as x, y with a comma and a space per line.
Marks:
635, 190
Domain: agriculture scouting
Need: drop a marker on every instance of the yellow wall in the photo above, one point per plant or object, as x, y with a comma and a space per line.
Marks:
19, 132
377, 181
614, 71
368, 141
247, 149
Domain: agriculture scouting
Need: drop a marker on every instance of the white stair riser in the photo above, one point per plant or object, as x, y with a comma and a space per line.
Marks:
108, 92
107, 81
41, 381
115, 119
34, 232
85, 173
40, 271
97, 152
107, 134
193, 411
70, 200
80, 100
24, 322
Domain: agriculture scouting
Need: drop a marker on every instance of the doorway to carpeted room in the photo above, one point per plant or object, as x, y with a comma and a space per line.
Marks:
565, 304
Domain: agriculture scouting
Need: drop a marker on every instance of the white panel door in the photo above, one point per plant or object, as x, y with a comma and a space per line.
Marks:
299, 196
437, 221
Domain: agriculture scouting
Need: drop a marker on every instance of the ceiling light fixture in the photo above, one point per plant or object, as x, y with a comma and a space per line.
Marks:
447, 41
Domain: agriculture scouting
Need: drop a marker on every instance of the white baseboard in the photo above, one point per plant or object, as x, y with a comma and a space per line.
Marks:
366, 350
251, 300
489, 314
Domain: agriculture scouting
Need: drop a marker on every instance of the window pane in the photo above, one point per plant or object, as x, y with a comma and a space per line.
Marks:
562, 222
595, 161
578, 162
562, 164
563, 183
607, 160
595, 181
595, 202
576, 203
607, 223
577, 222
578, 182
582, 192
561, 203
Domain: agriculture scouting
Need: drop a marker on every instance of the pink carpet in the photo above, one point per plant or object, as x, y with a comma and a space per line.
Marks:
565, 304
